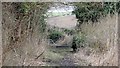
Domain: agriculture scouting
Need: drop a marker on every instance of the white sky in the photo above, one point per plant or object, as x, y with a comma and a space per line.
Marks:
61, 9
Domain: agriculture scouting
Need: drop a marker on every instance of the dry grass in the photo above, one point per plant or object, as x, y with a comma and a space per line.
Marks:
102, 38
30, 43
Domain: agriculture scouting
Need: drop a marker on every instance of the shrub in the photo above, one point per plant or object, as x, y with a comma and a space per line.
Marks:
94, 11
42, 24
55, 36
69, 32
79, 40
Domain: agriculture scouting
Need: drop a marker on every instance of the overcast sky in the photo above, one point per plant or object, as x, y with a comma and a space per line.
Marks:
61, 9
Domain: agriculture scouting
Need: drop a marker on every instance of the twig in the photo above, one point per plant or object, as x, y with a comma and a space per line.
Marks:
39, 55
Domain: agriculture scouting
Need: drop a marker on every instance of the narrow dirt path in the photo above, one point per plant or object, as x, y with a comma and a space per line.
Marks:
68, 58
68, 22
67, 61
